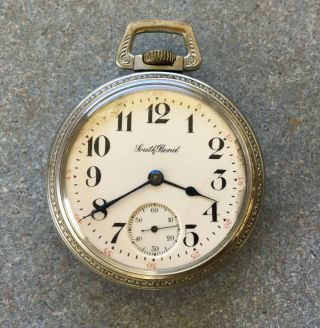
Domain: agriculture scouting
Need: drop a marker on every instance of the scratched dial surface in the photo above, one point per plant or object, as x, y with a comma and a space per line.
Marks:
114, 150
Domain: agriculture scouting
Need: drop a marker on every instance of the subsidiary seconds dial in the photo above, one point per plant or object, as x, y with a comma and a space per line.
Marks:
154, 229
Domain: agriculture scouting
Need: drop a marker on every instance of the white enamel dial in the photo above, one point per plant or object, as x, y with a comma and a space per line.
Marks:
201, 195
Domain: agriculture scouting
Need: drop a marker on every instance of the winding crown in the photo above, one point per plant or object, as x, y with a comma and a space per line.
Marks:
159, 57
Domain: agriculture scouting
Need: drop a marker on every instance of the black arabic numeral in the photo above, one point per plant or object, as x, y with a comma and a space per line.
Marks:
115, 237
101, 146
97, 203
190, 124
170, 220
158, 110
212, 211
222, 183
150, 110
94, 174
154, 248
195, 237
216, 144
154, 210
129, 121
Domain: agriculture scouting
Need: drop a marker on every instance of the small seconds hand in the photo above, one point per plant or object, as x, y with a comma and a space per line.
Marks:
155, 228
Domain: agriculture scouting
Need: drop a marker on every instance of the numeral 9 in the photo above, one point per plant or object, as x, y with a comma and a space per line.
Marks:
94, 176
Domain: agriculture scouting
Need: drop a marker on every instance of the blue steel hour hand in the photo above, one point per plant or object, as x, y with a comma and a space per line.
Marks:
158, 178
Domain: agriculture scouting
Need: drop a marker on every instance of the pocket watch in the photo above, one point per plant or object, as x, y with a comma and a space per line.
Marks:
155, 177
